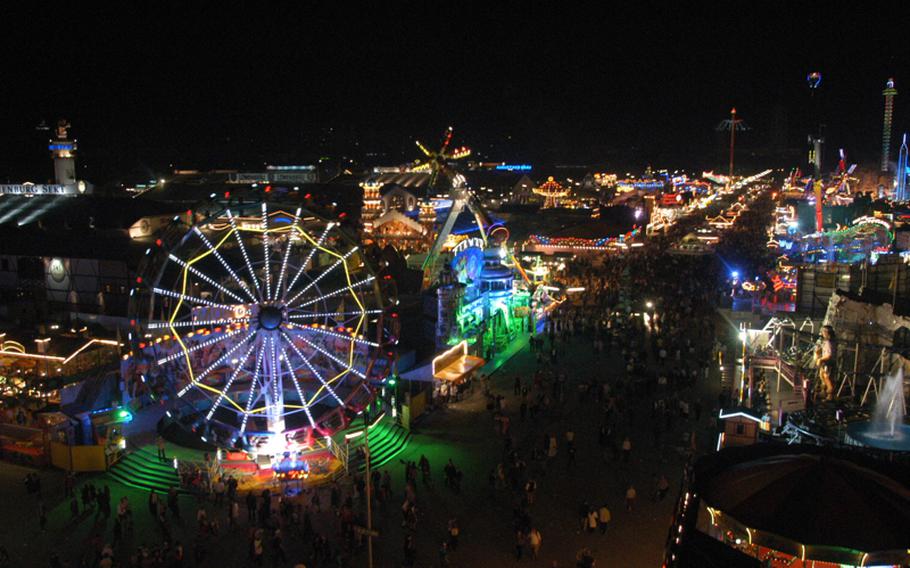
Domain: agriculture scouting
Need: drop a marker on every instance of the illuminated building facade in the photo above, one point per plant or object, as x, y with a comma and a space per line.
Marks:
478, 302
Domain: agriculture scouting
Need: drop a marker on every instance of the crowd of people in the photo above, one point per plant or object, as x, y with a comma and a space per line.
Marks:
652, 313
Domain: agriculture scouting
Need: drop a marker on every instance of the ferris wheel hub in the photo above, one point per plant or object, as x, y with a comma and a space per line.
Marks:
270, 317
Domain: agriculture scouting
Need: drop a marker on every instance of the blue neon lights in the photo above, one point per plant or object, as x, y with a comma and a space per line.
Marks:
514, 167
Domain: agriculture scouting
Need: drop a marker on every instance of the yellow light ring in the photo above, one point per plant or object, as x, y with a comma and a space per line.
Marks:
306, 236
186, 354
347, 275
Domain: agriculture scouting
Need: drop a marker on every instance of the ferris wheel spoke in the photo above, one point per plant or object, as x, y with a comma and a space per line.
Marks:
220, 361
264, 225
251, 397
205, 278
342, 290
206, 343
309, 256
303, 400
305, 314
287, 254
337, 335
197, 323
223, 262
323, 274
345, 366
227, 386
313, 370
246, 257
188, 298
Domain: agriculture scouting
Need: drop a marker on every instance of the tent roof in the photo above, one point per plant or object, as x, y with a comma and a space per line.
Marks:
811, 495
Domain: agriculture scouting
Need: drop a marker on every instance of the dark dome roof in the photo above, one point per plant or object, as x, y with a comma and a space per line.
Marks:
813, 497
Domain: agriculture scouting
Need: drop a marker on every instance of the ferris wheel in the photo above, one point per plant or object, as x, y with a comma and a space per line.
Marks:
266, 323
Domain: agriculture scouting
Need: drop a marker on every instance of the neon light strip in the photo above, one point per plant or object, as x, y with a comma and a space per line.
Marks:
200, 323
201, 301
205, 278
233, 376
223, 262
30, 355
264, 225
275, 375
314, 371
246, 257
212, 367
312, 252
322, 275
332, 314
249, 400
338, 291
338, 335
287, 253
350, 367
198, 346
462, 346
86, 346
5, 351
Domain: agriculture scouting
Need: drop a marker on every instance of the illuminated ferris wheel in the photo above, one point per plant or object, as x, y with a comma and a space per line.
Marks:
266, 323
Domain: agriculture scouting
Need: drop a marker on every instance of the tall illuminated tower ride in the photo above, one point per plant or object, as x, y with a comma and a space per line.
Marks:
900, 190
889, 93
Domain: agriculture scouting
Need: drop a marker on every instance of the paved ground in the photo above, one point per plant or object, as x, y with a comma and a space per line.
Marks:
465, 433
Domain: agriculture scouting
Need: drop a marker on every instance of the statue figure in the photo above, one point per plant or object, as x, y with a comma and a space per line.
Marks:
824, 360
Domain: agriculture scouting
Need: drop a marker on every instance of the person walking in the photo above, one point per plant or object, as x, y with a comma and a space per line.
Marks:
534, 542
631, 495
257, 548
153, 504
663, 485
233, 513
592, 521
454, 532
74, 509
251, 508
530, 491
603, 518
278, 556
583, 509
173, 503
570, 452
519, 544
162, 455
626, 449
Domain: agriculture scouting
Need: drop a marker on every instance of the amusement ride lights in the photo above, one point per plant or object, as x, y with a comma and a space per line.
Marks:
298, 366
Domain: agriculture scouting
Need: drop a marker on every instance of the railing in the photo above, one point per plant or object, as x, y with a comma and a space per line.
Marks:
342, 452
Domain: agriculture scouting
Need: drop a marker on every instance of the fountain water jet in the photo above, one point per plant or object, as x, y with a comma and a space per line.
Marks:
886, 430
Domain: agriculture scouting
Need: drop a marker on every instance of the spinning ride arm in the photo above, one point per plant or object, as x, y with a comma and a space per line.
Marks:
460, 198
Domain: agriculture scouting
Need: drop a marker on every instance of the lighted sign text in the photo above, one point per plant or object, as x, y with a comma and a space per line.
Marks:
468, 243
514, 167
38, 189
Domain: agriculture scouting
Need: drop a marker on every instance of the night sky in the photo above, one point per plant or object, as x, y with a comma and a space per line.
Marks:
541, 83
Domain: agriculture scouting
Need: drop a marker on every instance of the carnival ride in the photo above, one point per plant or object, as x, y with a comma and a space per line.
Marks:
438, 163
552, 191
266, 326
